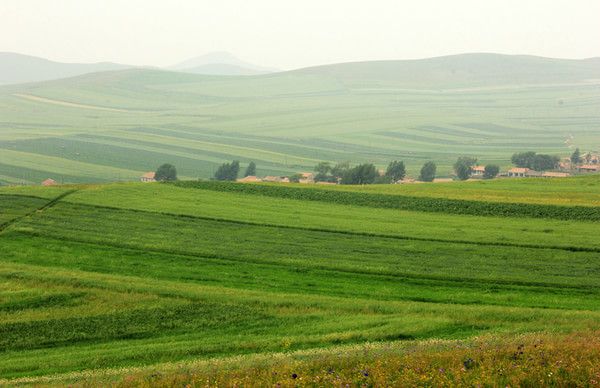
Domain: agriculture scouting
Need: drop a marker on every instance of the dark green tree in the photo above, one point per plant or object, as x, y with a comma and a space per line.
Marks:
228, 171
396, 171
166, 172
543, 162
363, 174
323, 170
340, 169
428, 172
491, 171
576, 156
462, 167
523, 159
250, 170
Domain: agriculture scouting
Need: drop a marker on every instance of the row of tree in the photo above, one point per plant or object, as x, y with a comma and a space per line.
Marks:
534, 161
463, 167
230, 171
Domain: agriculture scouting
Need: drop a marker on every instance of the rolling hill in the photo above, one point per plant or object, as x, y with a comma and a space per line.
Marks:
117, 125
18, 68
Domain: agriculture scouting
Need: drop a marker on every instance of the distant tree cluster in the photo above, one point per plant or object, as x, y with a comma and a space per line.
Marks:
228, 171
491, 171
463, 167
534, 161
362, 174
166, 173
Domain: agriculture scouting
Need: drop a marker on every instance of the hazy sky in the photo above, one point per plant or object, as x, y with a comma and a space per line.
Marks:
296, 33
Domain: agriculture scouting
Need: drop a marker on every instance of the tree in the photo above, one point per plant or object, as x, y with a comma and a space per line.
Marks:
228, 171
576, 157
491, 171
395, 171
543, 162
340, 169
363, 174
322, 169
250, 170
428, 172
166, 172
462, 167
523, 159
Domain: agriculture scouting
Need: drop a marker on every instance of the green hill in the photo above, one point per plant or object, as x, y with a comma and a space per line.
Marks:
18, 68
117, 125
206, 278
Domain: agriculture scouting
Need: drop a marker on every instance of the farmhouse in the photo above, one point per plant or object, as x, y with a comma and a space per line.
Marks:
49, 182
307, 177
148, 177
278, 179
477, 170
589, 168
519, 172
250, 179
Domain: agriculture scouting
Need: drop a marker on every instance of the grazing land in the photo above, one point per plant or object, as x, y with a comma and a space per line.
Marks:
183, 283
114, 126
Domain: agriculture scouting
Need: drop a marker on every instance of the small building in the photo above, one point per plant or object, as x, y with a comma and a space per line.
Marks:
148, 177
477, 170
588, 168
553, 174
307, 177
49, 182
250, 179
276, 179
519, 172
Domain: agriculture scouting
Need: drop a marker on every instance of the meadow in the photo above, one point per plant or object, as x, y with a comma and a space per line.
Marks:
114, 126
200, 283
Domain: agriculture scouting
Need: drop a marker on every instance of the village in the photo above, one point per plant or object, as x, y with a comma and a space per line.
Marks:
565, 167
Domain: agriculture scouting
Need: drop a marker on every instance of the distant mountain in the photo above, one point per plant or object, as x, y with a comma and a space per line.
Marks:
220, 63
18, 68
460, 71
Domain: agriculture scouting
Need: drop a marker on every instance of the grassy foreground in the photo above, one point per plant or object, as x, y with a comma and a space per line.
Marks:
530, 360
111, 283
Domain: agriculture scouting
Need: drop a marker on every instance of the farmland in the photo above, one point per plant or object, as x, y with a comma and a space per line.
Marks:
234, 283
114, 126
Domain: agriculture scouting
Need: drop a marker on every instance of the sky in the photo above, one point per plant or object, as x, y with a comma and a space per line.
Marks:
289, 34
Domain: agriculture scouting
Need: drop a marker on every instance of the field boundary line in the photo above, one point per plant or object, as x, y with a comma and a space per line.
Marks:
347, 232
4, 226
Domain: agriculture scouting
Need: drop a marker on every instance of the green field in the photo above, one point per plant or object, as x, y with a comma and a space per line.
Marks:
101, 277
114, 126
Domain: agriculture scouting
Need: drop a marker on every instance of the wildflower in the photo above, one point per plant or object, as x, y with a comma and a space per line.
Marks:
365, 373
294, 375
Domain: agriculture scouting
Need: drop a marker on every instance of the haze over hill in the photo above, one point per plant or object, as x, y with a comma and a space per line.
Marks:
18, 68
118, 124
220, 63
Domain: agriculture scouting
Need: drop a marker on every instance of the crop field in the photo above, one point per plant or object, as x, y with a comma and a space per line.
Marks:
114, 126
133, 283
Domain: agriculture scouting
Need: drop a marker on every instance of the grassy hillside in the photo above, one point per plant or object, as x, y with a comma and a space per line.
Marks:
133, 275
116, 125
18, 68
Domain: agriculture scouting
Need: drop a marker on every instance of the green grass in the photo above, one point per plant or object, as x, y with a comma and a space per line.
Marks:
133, 275
121, 124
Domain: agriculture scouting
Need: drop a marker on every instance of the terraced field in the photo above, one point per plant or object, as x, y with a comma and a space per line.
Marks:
157, 276
114, 126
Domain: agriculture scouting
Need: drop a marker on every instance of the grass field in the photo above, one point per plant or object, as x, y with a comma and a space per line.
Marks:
138, 284
114, 126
